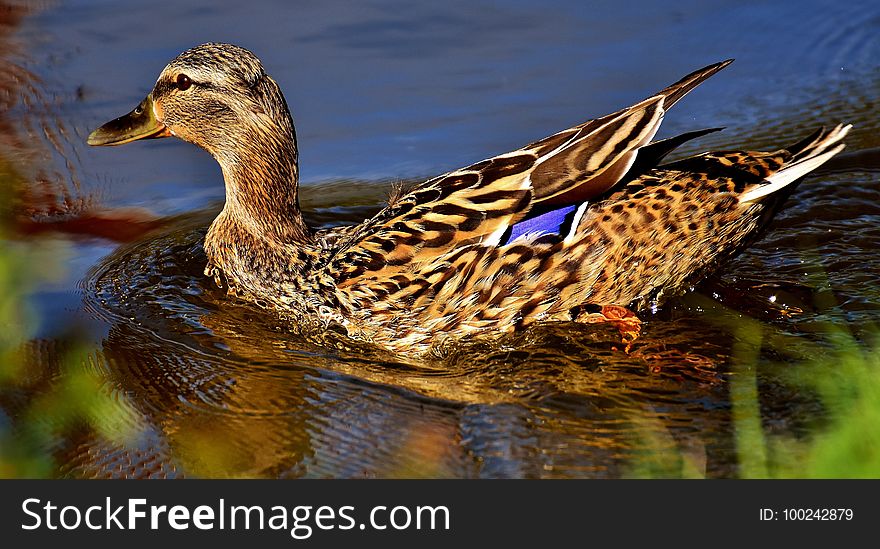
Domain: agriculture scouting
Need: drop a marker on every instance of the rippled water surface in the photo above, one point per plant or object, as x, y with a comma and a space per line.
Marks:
200, 385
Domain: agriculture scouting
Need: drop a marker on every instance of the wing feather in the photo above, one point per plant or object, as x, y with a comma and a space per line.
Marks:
423, 234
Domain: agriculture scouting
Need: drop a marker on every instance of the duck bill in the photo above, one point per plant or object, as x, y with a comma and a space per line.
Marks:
141, 123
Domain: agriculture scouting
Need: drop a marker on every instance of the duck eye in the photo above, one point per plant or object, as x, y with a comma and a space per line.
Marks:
183, 82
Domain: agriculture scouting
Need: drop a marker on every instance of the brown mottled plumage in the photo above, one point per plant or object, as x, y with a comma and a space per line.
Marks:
440, 260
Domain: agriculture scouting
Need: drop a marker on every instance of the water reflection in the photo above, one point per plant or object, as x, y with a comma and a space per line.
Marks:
225, 389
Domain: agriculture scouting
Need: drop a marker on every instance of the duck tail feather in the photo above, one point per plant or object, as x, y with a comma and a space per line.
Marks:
808, 155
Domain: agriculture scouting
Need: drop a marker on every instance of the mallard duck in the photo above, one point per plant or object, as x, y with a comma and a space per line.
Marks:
585, 225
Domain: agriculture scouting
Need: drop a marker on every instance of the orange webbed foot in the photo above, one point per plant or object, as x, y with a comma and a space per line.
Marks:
626, 321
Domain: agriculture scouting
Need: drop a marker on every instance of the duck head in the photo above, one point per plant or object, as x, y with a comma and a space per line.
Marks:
219, 97
207, 95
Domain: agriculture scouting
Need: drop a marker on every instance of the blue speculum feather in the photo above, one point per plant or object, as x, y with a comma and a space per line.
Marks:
552, 222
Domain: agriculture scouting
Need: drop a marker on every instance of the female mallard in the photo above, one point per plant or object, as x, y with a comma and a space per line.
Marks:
575, 226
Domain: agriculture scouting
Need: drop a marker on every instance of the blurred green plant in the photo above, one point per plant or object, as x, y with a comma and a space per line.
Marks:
41, 401
839, 371
847, 382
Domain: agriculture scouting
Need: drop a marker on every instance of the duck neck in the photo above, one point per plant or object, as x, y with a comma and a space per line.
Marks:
262, 177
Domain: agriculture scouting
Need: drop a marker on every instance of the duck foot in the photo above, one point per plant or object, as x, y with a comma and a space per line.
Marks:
626, 321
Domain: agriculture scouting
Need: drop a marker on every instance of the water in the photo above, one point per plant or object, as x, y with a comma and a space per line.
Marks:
389, 91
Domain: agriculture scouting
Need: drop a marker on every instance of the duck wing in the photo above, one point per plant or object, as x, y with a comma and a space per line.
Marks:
574, 165
480, 204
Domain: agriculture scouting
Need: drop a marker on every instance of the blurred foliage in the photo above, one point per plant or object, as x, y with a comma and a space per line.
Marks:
42, 401
846, 444
839, 371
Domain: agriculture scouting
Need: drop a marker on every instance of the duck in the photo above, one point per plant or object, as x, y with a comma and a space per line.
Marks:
587, 225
